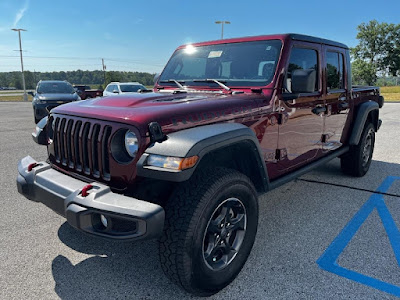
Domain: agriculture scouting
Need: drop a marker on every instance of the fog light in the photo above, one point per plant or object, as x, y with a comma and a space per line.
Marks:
104, 220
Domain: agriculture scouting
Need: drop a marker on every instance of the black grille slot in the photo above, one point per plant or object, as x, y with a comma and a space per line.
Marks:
68, 143
56, 140
82, 146
85, 148
104, 153
95, 155
78, 160
62, 143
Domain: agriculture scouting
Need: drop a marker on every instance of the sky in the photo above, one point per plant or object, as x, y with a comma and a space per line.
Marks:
140, 35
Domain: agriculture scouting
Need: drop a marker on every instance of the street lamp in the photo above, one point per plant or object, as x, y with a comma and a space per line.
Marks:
222, 23
22, 62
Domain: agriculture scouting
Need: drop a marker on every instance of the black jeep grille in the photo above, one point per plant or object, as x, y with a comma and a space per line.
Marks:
82, 145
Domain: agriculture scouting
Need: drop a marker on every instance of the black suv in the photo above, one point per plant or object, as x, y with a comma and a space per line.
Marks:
49, 94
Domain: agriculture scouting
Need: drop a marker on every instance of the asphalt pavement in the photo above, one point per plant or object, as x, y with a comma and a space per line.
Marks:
323, 236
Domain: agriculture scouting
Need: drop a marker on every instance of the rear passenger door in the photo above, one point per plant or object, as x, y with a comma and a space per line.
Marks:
301, 130
336, 97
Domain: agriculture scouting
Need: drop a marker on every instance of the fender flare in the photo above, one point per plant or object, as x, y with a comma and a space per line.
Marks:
362, 114
39, 136
200, 141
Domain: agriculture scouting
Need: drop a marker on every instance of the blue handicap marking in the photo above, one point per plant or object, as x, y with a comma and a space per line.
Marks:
328, 260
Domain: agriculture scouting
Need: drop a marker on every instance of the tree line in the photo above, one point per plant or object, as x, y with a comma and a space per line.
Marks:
377, 54
94, 78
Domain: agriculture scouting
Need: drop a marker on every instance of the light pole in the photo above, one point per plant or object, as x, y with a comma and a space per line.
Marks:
22, 62
222, 23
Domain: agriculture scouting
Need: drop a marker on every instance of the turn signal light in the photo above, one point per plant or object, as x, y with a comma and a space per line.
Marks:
189, 162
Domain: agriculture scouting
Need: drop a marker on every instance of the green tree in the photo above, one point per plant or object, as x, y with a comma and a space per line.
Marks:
379, 46
363, 72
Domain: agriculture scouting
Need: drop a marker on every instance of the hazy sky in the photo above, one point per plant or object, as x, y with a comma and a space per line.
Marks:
141, 35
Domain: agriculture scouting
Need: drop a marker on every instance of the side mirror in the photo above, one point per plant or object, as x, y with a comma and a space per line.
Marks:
303, 81
115, 91
156, 76
32, 94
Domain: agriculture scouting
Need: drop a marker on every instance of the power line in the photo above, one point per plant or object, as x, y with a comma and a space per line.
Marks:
88, 58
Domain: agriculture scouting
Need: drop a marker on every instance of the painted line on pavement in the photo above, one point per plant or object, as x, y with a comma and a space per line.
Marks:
328, 260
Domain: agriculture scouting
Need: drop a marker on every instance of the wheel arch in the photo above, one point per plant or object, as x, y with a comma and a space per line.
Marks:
366, 112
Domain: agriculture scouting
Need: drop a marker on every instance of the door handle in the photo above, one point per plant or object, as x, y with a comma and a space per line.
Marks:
318, 110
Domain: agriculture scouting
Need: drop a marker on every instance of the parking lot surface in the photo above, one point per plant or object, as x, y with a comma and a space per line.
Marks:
323, 236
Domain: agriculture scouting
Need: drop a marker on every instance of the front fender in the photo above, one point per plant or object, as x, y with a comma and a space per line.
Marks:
199, 141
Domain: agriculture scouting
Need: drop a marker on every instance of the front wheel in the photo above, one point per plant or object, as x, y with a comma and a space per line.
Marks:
358, 160
211, 224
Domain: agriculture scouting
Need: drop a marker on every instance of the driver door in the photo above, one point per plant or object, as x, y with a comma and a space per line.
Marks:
302, 109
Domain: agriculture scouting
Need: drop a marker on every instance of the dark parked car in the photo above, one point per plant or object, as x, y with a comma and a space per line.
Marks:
50, 94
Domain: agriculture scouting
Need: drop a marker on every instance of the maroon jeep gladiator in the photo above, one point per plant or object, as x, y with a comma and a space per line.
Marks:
227, 120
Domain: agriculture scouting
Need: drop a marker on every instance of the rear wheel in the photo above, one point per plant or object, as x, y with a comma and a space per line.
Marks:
210, 227
358, 160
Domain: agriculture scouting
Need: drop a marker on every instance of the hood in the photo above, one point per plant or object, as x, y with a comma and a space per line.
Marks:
171, 111
57, 97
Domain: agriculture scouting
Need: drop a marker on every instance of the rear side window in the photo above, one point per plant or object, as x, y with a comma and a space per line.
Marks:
302, 59
111, 88
334, 71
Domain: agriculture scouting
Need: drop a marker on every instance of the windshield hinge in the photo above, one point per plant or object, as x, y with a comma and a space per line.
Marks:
257, 91
156, 133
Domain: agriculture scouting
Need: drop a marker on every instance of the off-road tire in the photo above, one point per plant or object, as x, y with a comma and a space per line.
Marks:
188, 215
358, 160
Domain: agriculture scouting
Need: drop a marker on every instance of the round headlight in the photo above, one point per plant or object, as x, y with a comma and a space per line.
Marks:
131, 143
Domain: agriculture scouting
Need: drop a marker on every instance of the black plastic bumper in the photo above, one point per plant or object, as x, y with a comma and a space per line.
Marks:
126, 218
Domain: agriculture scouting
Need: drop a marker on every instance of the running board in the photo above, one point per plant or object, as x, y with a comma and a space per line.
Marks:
293, 175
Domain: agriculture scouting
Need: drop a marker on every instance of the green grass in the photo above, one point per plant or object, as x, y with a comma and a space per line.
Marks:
390, 89
14, 98
391, 93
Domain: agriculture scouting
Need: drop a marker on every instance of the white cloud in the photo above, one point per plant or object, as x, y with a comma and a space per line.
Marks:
20, 13
138, 21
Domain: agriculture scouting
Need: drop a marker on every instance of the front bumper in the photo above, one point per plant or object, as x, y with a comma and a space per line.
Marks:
127, 218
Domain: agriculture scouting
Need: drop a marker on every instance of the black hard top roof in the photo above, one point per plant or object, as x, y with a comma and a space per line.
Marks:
313, 39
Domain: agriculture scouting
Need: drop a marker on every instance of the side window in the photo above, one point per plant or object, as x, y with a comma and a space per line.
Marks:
111, 88
307, 61
334, 71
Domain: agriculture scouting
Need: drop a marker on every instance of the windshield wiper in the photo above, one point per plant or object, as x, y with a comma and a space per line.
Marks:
220, 83
178, 83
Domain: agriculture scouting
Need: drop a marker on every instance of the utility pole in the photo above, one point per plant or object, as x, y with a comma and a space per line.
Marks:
104, 71
222, 23
22, 62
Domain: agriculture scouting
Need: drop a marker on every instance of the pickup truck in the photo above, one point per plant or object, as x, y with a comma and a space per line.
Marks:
85, 92
227, 121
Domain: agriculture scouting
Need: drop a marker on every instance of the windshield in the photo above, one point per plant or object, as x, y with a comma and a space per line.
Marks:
126, 88
55, 88
234, 64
